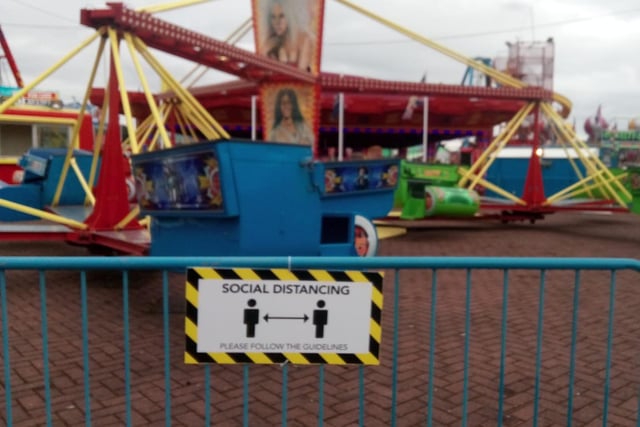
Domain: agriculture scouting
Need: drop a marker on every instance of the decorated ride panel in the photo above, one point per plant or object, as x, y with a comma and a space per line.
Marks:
359, 176
176, 181
362, 186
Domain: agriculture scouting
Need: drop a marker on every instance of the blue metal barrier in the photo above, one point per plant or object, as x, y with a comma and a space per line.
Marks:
613, 407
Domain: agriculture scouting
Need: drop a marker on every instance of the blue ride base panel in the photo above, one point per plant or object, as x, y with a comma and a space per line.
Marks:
43, 168
247, 198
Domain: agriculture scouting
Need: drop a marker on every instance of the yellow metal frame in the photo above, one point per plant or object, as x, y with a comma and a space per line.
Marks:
170, 6
6, 118
148, 95
487, 184
593, 164
486, 160
9, 102
75, 139
597, 171
99, 138
572, 162
572, 191
124, 98
189, 113
200, 117
9, 160
128, 218
500, 77
184, 105
20, 93
83, 182
182, 123
233, 38
42, 214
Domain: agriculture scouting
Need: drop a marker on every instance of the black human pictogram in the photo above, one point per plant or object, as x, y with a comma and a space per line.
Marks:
320, 318
251, 318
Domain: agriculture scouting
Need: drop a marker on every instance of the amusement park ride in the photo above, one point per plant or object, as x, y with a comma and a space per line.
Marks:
200, 191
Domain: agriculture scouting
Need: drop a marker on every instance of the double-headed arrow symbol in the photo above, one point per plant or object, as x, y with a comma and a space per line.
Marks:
267, 318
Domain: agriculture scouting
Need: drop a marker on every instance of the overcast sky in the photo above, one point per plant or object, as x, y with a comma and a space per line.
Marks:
597, 61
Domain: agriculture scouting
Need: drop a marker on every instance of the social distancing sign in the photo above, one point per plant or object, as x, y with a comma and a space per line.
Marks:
267, 316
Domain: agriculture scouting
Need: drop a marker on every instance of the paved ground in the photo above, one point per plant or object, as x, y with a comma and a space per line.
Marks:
562, 235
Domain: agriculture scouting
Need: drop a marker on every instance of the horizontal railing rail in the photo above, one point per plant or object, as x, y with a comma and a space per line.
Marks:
391, 262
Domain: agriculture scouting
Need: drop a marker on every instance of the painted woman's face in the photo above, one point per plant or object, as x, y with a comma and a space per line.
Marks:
278, 20
361, 241
286, 106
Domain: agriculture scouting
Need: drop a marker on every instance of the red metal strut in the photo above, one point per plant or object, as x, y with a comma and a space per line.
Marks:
112, 204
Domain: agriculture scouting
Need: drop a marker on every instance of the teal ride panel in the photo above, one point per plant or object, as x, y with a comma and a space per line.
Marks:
247, 198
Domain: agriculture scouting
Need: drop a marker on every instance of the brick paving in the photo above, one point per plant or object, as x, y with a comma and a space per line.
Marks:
560, 235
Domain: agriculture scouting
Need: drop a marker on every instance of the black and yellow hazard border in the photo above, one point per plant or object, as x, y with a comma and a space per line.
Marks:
192, 356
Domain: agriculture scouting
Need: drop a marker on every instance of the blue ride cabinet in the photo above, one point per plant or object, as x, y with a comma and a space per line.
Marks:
352, 194
42, 171
240, 198
44, 167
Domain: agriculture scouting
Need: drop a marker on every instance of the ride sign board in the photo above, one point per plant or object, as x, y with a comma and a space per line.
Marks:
41, 98
268, 316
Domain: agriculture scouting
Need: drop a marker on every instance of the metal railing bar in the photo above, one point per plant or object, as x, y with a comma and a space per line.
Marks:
127, 350
320, 395
245, 396
85, 347
285, 393
536, 392
394, 354
432, 346
207, 395
574, 340
361, 390
467, 333
45, 347
167, 348
503, 344
607, 380
638, 413
5, 348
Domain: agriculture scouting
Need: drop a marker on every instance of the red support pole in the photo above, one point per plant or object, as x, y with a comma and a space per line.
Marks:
172, 125
533, 192
112, 204
11, 60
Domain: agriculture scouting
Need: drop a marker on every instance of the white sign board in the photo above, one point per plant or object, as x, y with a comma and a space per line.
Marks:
273, 316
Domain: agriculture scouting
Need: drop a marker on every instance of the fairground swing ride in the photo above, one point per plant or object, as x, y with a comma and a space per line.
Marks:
228, 190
